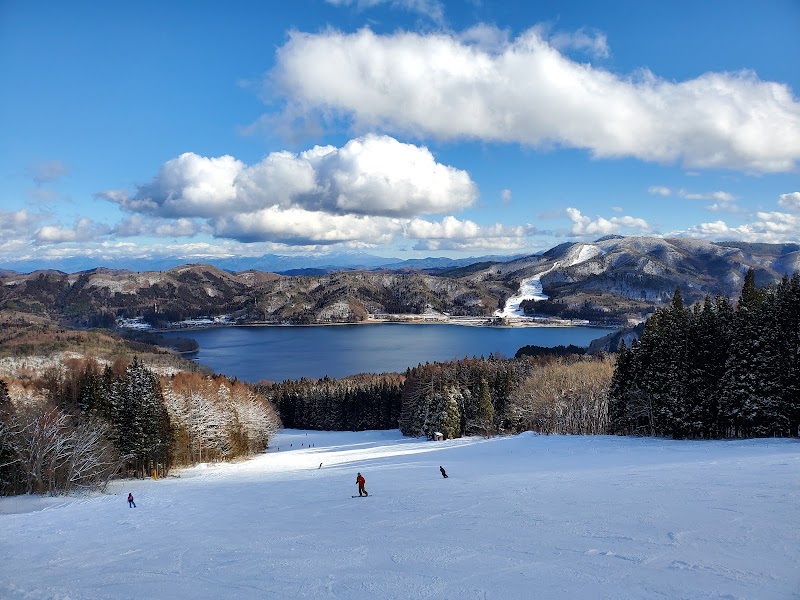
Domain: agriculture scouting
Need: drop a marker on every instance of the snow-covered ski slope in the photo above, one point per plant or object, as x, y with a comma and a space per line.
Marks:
523, 517
531, 288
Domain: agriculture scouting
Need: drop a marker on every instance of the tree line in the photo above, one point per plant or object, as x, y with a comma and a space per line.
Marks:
470, 396
354, 403
78, 427
477, 396
714, 370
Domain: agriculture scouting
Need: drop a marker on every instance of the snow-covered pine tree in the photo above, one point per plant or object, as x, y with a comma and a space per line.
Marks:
707, 351
90, 392
486, 411
672, 416
618, 391
144, 421
415, 400
646, 403
741, 385
767, 417
788, 298
451, 417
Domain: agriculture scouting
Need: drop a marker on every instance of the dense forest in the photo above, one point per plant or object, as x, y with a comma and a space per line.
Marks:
471, 396
496, 395
350, 404
715, 370
78, 427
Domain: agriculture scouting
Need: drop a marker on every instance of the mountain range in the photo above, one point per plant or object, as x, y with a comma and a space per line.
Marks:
612, 281
274, 263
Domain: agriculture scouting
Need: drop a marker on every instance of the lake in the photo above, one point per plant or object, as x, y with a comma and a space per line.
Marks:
277, 353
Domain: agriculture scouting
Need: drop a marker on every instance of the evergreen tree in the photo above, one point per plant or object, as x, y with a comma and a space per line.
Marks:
788, 300
142, 427
747, 371
715, 371
10, 474
641, 398
485, 409
673, 417
618, 391
707, 354
451, 420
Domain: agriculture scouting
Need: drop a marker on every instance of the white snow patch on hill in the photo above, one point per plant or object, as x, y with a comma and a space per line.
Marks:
531, 288
11, 366
520, 517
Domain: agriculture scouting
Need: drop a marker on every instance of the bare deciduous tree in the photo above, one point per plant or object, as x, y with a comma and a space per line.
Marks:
563, 397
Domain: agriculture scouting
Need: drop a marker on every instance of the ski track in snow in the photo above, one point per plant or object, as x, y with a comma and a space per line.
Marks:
519, 517
531, 288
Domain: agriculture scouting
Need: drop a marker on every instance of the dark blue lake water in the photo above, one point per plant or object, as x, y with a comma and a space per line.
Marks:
279, 353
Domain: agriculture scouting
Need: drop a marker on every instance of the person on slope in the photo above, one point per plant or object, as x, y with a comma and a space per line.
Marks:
131, 503
361, 481
443, 473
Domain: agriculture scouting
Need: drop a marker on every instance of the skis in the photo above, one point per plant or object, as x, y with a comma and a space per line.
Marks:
359, 496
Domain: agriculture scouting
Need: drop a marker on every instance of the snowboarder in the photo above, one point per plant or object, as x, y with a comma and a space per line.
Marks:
361, 481
131, 503
443, 473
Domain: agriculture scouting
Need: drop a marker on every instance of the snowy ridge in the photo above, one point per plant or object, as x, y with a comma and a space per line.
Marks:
531, 288
557, 517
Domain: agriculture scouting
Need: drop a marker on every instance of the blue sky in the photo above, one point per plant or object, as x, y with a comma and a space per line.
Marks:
403, 128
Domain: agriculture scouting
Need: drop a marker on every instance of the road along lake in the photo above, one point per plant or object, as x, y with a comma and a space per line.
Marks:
253, 353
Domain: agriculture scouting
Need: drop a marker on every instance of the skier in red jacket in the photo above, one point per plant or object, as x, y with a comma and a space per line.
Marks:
361, 481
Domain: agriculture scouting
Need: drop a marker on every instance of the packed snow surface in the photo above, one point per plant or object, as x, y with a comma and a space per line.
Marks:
519, 517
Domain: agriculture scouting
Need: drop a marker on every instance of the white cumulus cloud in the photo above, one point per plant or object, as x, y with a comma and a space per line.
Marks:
18, 224
299, 226
451, 228
84, 230
583, 225
524, 90
790, 201
497, 244
187, 186
370, 175
768, 227
138, 225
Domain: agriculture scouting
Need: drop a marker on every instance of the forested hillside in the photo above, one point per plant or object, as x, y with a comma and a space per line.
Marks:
715, 370
471, 396
613, 281
621, 280
98, 297
78, 426
74, 419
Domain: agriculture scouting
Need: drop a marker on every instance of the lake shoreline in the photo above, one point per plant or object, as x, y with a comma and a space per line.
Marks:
485, 322
269, 352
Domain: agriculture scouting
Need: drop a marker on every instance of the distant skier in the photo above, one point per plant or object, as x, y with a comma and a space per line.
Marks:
443, 473
320, 466
131, 503
361, 481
